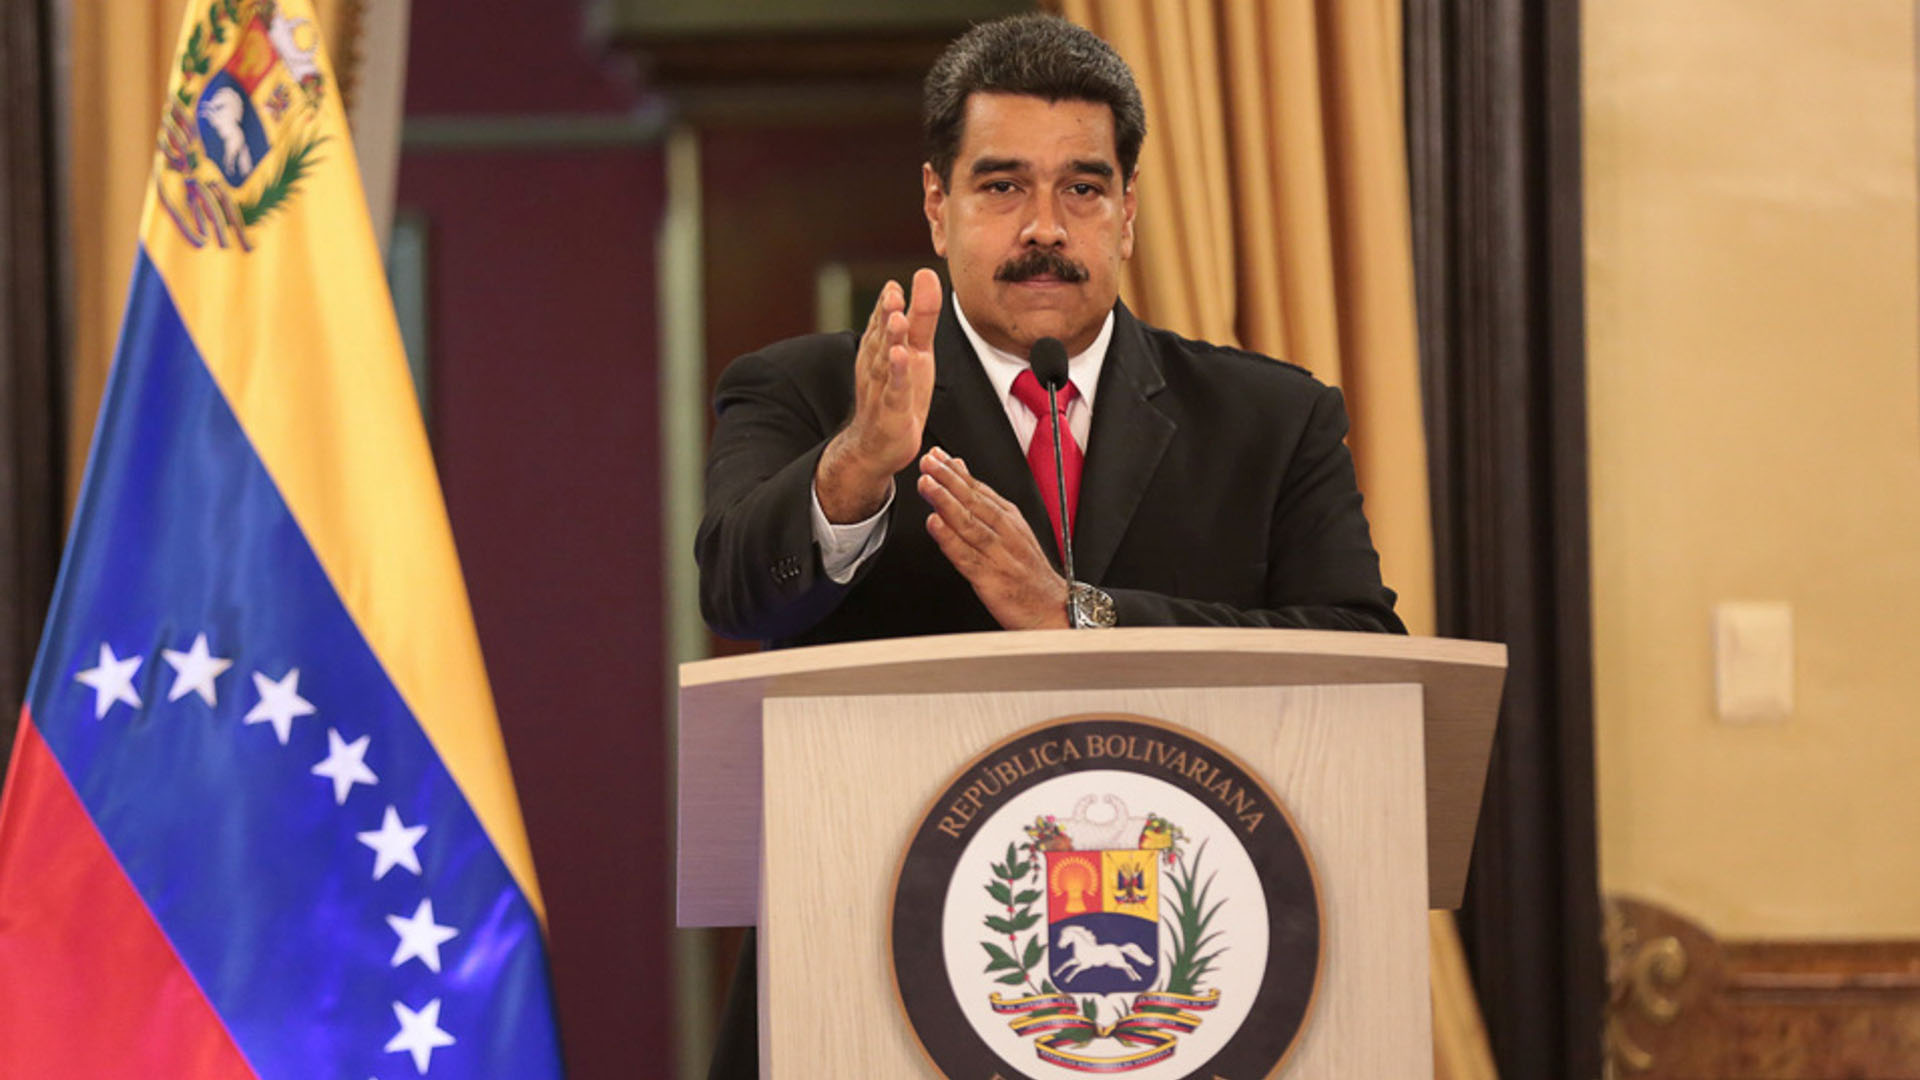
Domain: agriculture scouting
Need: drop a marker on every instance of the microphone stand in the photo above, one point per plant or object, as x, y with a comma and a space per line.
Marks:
1060, 490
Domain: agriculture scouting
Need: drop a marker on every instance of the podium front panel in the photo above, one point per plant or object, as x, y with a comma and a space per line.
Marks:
847, 780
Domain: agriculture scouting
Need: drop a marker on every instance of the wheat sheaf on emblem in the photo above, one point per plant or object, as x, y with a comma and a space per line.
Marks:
1078, 922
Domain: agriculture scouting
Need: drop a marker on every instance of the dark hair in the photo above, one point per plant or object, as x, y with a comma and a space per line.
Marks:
1042, 55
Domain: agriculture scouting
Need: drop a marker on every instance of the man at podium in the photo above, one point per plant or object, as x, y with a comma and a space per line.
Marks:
903, 480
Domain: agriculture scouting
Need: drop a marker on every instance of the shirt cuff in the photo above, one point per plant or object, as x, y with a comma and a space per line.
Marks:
844, 548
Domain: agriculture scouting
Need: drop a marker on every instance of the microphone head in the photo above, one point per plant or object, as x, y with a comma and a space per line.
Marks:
1049, 362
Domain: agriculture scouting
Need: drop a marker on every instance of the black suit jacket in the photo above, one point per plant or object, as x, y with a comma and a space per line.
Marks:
1217, 491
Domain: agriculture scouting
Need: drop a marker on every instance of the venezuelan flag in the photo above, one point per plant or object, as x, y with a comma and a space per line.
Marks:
259, 821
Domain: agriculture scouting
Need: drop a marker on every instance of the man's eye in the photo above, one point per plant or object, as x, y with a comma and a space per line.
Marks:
998, 187
1085, 189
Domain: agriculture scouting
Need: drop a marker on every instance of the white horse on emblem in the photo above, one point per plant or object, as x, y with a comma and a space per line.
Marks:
224, 111
1089, 953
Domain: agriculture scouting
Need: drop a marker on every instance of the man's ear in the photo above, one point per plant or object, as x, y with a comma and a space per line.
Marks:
1129, 205
935, 205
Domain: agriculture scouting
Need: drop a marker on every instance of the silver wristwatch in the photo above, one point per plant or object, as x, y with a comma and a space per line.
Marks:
1088, 608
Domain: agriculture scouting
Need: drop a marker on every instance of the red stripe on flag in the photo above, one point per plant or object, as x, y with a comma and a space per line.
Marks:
89, 986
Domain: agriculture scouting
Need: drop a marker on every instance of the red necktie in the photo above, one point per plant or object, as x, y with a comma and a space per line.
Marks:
1026, 389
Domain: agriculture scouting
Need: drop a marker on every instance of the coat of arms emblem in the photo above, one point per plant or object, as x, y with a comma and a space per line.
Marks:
1103, 948
1106, 895
241, 126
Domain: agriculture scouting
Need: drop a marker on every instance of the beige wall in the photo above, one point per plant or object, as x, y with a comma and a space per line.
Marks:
1754, 381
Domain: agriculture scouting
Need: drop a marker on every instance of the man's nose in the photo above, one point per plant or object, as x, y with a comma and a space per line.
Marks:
1046, 227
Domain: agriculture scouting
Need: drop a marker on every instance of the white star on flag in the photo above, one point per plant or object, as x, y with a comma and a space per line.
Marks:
393, 844
280, 703
345, 764
194, 670
112, 681
420, 937
420, 1033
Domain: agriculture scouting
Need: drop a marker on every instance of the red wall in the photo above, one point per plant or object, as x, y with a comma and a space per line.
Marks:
545, 424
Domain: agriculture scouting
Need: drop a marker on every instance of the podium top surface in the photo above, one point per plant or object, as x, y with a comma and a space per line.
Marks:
1121, 657
720, 704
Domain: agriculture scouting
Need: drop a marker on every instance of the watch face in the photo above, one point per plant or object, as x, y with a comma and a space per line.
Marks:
1091, 607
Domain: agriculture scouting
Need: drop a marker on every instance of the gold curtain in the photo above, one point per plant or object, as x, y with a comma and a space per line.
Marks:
119, 59
1274, 214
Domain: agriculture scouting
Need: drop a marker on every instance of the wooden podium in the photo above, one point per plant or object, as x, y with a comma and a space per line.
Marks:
804, 772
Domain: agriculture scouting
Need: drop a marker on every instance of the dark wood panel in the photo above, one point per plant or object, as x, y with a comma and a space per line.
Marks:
779, 61
30, 449
1685, 1006
688, 43
1493, 110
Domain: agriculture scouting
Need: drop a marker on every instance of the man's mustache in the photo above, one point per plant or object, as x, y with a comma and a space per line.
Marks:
1039, 261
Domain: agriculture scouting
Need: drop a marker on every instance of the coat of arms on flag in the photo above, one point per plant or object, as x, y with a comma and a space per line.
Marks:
242, 127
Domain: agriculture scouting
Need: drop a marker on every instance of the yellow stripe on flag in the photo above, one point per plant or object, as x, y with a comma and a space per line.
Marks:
293, 317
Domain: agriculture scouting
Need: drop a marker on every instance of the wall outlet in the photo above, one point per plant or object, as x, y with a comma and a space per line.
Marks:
1753, 660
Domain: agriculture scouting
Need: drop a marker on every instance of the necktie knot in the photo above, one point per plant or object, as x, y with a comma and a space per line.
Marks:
1027, 391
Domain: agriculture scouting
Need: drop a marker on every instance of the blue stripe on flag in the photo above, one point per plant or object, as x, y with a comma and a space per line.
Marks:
251, 867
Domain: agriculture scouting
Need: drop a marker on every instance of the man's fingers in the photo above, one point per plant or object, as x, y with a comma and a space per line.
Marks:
988, 520
983, 500
872, 355
887, 368
959, 465
978, 486
923, 313
1005, 518
897, 393
897, 332
953, 501
878, 316
948, 504
940, 465
890, 300
958, 552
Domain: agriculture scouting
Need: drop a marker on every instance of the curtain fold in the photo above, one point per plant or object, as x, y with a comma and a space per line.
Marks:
118, 59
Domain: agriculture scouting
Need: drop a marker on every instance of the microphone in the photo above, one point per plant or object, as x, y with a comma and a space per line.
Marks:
1048, 359
1049, 362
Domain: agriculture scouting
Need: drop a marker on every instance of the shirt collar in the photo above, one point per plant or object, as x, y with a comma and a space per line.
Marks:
1002, 367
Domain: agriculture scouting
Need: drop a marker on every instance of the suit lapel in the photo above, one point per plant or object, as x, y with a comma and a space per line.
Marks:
967, 420
1129, 436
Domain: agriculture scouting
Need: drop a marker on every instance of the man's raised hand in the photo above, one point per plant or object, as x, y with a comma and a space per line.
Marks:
892, 389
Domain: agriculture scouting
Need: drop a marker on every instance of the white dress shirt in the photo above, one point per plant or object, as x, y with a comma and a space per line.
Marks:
843, 548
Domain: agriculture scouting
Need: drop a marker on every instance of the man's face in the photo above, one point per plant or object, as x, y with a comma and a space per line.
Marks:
1035, 222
